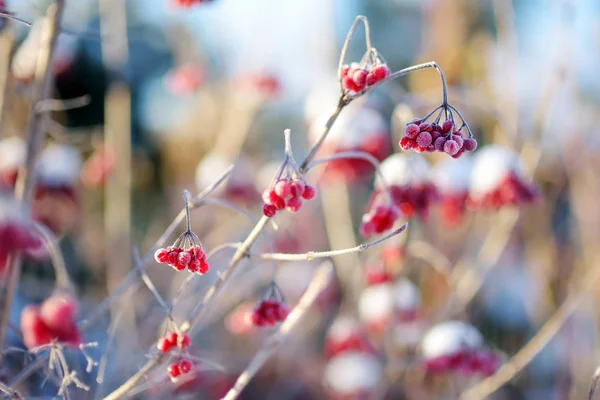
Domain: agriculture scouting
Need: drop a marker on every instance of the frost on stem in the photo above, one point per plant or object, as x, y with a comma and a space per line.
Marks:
288, 187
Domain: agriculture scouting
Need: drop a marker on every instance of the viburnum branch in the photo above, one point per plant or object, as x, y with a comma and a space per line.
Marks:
162, 240
42, 89
63, 281
325, 254
11, 393
432, 64
321, 279
16, 19
357, 21
62, 105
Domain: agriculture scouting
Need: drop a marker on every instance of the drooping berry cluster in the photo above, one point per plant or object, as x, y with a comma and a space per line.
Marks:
186, 253
415, 199
53, 320
171, 340
271, 309
268, 313
179, 368
286, 193
422, 136
356, 77
379, 219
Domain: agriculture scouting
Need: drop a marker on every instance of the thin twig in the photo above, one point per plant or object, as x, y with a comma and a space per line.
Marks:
311, 255
63, 281
319, 282
13, 394
43, 84
594, 384
63, 105
349, 36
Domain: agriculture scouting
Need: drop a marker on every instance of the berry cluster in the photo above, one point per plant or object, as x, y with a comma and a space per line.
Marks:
355, 78
171, 340
183, 366
269, 312
379, 219
16, 238
453, 207
466, 362
286, 193
511, 191
422, 136
415, 199
193, 258
53, 320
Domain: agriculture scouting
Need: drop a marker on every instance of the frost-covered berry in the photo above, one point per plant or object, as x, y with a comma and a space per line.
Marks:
185, 366
424, 139
173, 371
283, 188
269, 210
451, 147
294, 204
309, 192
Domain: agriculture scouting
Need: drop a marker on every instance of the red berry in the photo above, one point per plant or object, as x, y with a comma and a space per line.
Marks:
309, 192
371, 80
348, 83
345, 69
470, 144
381, 71
203, 267
424, 139
282, 312
172, 258
184, 258
174, 370
185, 366
172, 337
459, 139
269, 210
407, 143
283, 188
58, 313
367, 229
183, 340
360, 77
164, 345
412, 131
161, 256
194, 266
425, 127
197, 252
294, 204
451, 147
270, 197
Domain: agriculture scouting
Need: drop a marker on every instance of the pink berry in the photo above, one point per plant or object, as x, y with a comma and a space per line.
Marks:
58, 313
345, 69
425, 127
164, 345
172, 258
185, 366
412, 131
451, 147
360, 77
174, 370
294, 204
439, 143
161, 256
283, 188
270, 197
457, 137
367, 229
424, 139
198, 252
309, 192
184, 258
269, 210
297, 188
470, 144
381, 71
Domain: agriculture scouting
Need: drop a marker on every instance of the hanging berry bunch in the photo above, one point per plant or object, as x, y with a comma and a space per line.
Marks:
423, 136
271, 309
288, 188
358, 76
181, 342
186, 252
